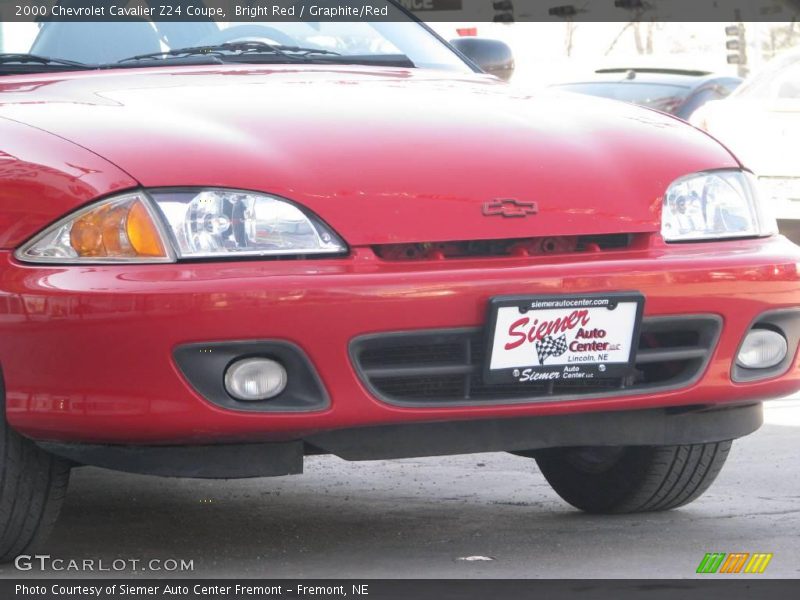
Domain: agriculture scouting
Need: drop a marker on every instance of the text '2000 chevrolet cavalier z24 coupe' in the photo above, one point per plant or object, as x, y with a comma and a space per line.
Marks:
276, 240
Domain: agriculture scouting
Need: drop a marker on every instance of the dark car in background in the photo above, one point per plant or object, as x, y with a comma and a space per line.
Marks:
676, 91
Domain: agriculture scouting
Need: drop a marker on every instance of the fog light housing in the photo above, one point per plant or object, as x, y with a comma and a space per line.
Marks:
762, 349
253, 379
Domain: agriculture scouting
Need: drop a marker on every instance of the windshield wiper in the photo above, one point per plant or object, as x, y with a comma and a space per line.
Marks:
256, 51
45, 61
292, 53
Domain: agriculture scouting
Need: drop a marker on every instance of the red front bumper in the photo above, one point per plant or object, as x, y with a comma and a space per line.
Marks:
87, 352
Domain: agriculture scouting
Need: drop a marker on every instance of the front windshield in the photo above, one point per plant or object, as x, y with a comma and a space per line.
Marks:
104, 43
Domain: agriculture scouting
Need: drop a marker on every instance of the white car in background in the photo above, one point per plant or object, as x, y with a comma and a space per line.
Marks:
760, 123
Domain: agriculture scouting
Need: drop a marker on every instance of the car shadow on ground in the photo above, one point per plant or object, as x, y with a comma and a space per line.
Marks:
414, 518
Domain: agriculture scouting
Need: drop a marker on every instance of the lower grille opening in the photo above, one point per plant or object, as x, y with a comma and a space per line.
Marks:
536, 246
446, 367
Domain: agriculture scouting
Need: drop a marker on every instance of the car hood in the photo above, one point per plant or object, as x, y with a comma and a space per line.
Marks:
383, 155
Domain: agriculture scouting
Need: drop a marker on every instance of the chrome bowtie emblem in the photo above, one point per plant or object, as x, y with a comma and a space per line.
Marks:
509, 207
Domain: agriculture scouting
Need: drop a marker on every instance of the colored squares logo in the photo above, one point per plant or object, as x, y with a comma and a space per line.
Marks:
734, 563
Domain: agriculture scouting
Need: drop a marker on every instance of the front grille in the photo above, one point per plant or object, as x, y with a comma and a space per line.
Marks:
440, 368
538, 246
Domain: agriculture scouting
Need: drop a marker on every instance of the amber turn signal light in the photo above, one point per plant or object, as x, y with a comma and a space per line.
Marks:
120, 229
117, 230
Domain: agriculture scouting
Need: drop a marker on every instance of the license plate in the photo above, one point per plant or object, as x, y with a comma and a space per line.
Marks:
552, 338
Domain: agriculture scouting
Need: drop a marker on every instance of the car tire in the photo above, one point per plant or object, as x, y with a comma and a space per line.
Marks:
33, 484
631, 479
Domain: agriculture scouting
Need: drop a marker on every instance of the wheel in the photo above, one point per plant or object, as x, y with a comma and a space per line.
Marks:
33, 484
627, 479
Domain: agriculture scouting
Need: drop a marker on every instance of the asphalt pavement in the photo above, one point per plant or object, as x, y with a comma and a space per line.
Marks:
425, 517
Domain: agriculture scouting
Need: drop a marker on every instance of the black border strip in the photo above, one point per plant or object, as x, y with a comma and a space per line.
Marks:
474, 11
730, 588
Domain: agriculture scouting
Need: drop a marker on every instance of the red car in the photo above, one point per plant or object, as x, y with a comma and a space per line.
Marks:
288, 239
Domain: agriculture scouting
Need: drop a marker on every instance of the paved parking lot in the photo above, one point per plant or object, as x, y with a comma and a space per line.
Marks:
418, 518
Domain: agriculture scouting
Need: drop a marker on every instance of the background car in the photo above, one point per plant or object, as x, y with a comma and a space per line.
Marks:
760, 123
676, 91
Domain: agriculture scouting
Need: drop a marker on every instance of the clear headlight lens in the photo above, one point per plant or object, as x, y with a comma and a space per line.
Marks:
120, 229
714, 205
215, 223
200, 223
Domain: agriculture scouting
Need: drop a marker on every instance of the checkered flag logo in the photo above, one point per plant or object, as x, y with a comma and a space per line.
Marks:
550, 346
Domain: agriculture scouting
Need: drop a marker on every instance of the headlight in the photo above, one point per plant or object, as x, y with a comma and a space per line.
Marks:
217, 223
163, 225
714, 205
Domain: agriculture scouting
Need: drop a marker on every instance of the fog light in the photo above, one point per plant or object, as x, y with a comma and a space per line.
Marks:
255, 379
762, 349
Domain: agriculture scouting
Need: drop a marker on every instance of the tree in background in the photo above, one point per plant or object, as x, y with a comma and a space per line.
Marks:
570, 37
781, 37
643, 43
